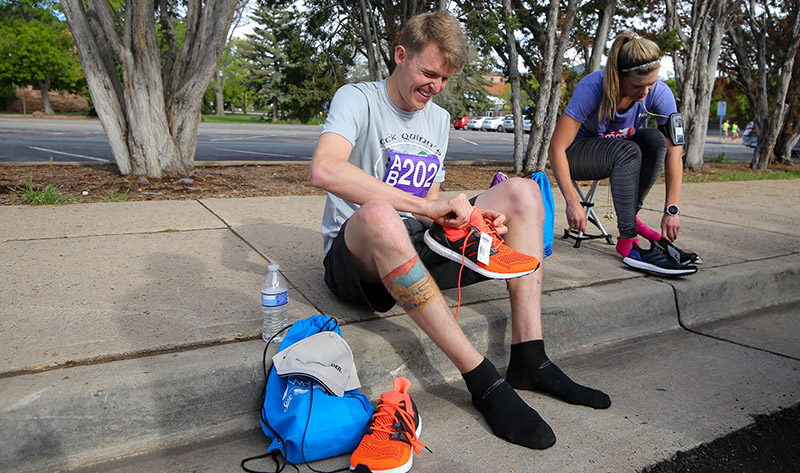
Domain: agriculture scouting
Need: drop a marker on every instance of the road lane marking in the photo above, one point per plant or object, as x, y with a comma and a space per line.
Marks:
69, 154
248, 137
260, 154
468, 141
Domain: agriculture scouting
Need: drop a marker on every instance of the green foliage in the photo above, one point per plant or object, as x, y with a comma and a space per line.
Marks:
236, 92
25, 192
746, 176
36, 45
738, 108
8, 94
114, 196
465, 93
720, 158
295, 65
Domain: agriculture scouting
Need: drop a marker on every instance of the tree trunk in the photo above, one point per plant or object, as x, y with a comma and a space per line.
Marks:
221, 74
767, 141
152, 128
367, 36
274, 109
601, 36
709, 39
545, 89
516, 95
24, 105
549, 96
102, 79
673, 23
783, 148
219, 101
44, 88
711, 19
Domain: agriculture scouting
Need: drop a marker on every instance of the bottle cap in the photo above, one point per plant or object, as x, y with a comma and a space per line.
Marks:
273, 267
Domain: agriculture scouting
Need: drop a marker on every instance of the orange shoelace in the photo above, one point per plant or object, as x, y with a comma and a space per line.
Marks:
388, 428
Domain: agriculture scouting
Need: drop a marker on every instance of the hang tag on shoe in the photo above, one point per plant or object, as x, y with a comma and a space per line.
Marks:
484, 249
673, 252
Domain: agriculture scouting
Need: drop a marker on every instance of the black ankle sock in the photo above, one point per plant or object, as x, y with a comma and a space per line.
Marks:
505, 412
529, 368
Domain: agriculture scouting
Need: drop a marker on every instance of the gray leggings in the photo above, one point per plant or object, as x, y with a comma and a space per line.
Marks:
632, 164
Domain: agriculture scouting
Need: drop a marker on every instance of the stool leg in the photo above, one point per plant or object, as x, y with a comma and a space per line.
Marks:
587, 201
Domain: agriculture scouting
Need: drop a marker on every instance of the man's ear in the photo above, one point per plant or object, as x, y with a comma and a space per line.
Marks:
400, 54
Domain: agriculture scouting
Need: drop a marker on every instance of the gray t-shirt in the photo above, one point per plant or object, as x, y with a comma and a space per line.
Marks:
403, 149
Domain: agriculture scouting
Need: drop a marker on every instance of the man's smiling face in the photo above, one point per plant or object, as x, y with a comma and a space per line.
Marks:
419, 77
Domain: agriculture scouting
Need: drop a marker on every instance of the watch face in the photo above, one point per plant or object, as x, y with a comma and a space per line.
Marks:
673, 210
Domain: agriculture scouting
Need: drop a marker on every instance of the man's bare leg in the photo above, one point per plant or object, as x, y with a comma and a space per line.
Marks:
381, 249
379, 243
529, 367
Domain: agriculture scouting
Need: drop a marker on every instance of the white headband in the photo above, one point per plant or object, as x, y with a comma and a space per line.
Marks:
631, 69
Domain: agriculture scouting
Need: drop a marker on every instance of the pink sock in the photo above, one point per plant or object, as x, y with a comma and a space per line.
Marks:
624, 245
646, 231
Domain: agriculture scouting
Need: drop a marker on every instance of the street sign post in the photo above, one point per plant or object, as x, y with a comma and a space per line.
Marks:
722, 110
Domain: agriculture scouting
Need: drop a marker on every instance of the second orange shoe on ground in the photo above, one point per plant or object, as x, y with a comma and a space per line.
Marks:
392, 433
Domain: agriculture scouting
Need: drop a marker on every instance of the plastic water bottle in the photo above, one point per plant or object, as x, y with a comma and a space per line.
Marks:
274, 304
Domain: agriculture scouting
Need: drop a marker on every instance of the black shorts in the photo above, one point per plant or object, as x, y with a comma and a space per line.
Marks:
344, 282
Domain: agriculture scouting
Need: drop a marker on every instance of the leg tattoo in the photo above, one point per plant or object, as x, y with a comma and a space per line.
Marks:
411, 285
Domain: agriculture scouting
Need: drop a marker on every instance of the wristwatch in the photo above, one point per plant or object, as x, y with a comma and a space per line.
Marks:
672, 209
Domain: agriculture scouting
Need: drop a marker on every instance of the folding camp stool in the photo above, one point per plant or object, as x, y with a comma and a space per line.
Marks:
587, 201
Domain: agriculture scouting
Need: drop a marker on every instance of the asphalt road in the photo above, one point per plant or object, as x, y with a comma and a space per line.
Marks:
39, 140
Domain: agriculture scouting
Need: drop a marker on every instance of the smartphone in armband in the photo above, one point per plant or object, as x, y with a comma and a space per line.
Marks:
675, 129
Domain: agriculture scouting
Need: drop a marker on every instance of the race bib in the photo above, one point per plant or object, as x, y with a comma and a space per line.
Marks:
411, 173
622, 134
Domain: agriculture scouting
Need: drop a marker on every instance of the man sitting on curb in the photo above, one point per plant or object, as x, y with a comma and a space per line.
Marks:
380, 160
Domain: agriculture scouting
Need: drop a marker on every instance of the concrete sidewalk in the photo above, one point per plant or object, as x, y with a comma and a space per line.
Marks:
129, 328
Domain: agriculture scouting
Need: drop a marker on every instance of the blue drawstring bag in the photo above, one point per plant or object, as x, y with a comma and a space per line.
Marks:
549, 210
303, 421
549, 206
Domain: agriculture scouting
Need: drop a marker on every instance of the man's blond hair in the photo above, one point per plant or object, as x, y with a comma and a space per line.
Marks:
440, 28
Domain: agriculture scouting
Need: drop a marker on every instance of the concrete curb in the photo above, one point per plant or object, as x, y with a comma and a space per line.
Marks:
737, 289
84, 415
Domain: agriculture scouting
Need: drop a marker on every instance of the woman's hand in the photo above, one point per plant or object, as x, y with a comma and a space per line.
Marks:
576, 216
670, 226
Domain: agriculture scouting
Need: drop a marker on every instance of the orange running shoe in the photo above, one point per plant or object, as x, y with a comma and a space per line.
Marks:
461, 245
391, 433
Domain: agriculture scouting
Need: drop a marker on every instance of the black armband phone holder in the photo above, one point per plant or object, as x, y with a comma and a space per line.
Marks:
675, 129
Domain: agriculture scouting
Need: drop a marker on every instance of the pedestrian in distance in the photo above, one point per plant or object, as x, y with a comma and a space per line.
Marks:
725, 127
390, 238
735, 131
601, 135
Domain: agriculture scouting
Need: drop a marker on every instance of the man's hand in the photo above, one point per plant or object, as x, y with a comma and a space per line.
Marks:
498, 220
670, 226
451, 212
576, 216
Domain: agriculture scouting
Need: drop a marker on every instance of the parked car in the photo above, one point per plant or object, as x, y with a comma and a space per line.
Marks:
475, 123
749, 138
461, 122
508, 124
492, 124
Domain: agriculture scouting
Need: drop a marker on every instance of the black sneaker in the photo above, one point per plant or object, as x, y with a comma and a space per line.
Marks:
683, 257
656, 261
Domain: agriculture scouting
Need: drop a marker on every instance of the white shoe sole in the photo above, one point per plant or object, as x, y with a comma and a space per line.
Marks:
653, 269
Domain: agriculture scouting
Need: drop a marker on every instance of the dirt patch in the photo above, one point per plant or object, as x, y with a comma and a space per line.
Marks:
61, 101
93, 183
